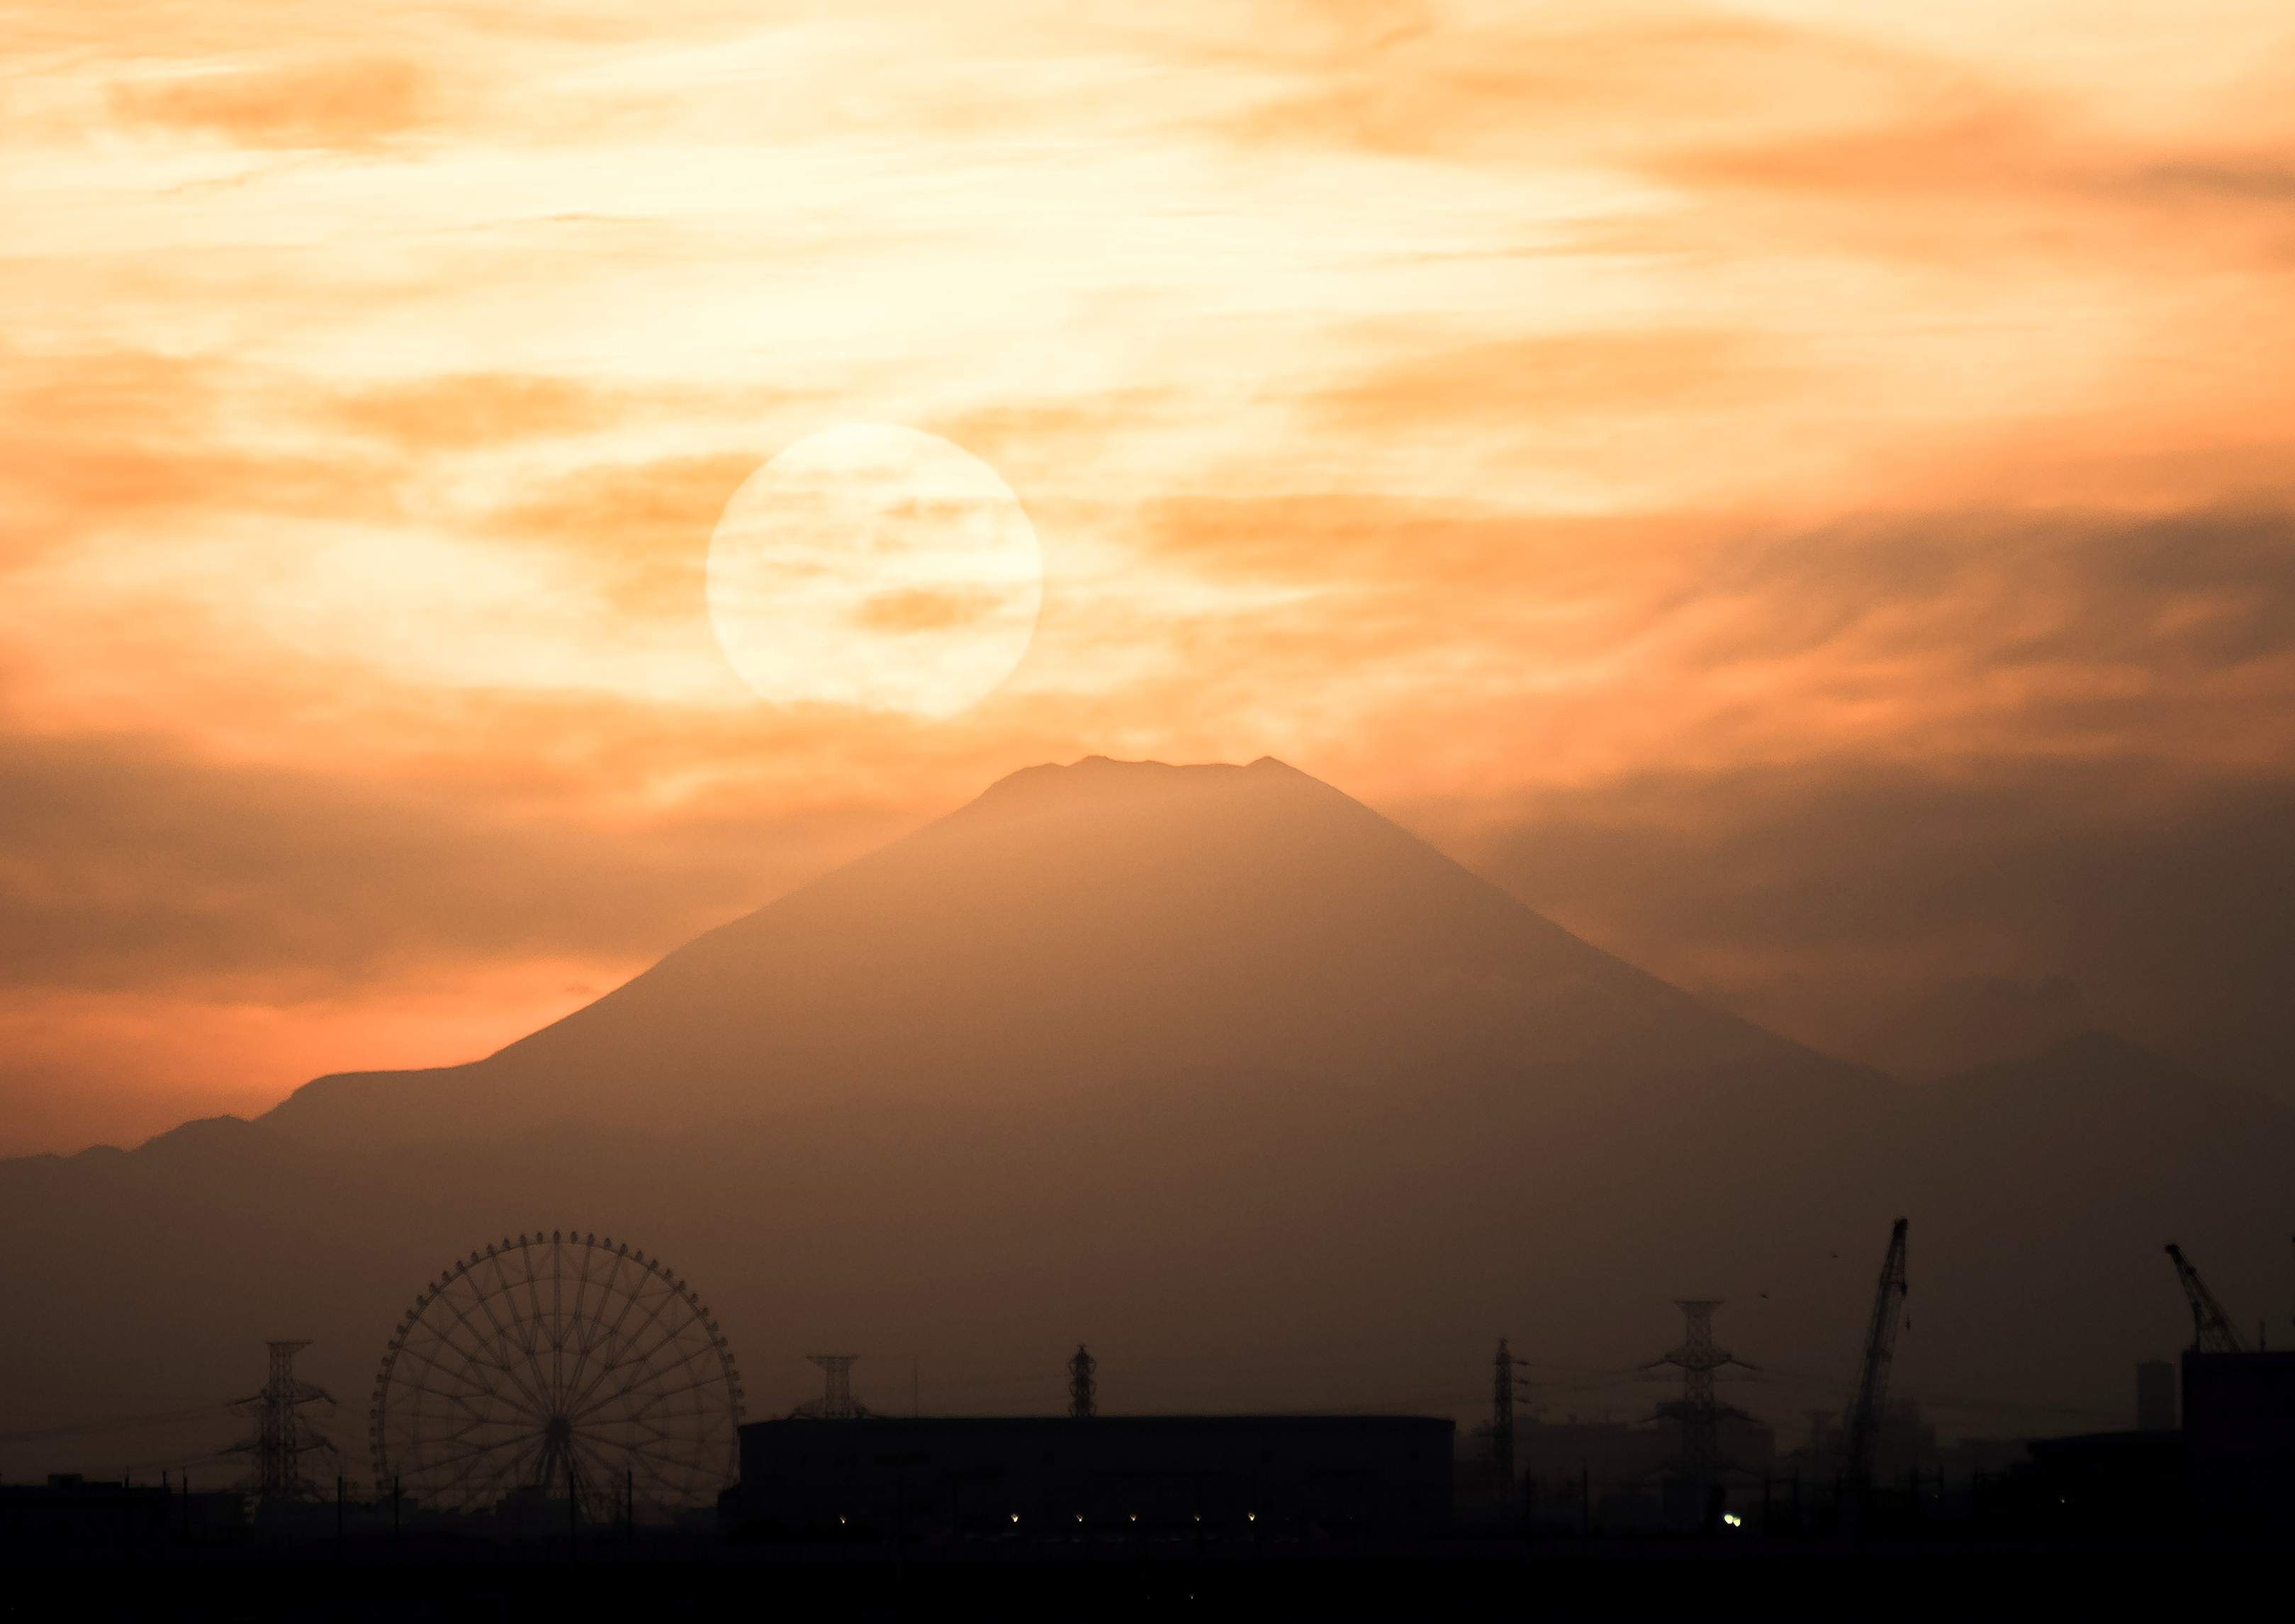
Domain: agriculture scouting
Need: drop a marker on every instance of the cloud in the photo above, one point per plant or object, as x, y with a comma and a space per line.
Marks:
1588, 83
1533, 380
2263, 178
347, 103
105, 440
459, 411
1926, 916
642, 528
126, 863
925, 609
1619, 644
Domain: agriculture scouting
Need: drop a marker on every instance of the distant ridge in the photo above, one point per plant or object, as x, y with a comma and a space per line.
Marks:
1104, 924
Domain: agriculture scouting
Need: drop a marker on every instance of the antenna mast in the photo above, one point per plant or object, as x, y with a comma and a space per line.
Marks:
1502, 1420
1083, 1384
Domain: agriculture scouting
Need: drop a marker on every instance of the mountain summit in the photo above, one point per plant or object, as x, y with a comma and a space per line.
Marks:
1106, 924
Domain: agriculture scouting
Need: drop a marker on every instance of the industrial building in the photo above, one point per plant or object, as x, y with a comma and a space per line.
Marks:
1145, 1477
1611, 1453
2155, 1396
2239, 1439
72, 1518
2230, 1469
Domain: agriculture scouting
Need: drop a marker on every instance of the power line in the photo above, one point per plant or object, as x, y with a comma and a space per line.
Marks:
80, 1429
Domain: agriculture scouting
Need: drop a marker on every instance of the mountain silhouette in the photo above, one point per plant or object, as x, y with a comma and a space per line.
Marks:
1077, 929
1217, 1069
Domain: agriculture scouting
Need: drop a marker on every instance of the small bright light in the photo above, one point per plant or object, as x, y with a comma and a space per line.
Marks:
1251, 1516
1733, 1518
1016, 1516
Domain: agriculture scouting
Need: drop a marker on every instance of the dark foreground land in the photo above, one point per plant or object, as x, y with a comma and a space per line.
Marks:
1591, 1580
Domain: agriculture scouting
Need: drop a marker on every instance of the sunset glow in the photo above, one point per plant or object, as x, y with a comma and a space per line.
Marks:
1672, 456
876, 568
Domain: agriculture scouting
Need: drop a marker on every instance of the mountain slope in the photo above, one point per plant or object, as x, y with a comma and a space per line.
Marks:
1075, 929
1211, 1066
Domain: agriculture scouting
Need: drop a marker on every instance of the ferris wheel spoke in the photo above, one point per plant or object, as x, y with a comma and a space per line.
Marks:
514, 1332
689, 1334
455, 1443
511, 1389
509, 1359
533, 1322
502, 1334
600, 1335
611, 1334
548, 1355
643, 1461
633, 1434
658, 1395
657, 1420
675, 1393
645, 1370
429, 1360
480, 1402
512, 1471
478, 1389
578, 1319
475, 1356
459, 1414
669, 1294
634, 1407
557, 1321
528, 1326
505, 1288
672, 1335
598, 1468
517, 1441
648, 1425
664, 1431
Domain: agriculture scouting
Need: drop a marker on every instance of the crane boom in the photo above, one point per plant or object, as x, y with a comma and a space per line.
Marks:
1880, 1347
2211, 1331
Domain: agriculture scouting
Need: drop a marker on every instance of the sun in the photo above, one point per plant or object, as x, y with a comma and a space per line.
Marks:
878, 567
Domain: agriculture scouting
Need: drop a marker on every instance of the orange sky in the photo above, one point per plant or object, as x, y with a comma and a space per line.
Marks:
1677, 456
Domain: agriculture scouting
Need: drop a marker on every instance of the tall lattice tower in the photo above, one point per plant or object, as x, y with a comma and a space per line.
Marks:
282, 1438
1699, 1413
1083, 1384
836, 1402
1502, 1420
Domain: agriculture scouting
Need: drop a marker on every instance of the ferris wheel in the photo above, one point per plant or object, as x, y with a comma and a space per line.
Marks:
561, 1364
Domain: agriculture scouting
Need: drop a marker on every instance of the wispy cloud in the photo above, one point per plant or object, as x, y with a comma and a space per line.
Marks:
357, 103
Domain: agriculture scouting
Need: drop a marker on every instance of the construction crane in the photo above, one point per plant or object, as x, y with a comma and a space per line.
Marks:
2211, 1331
1880, 1347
